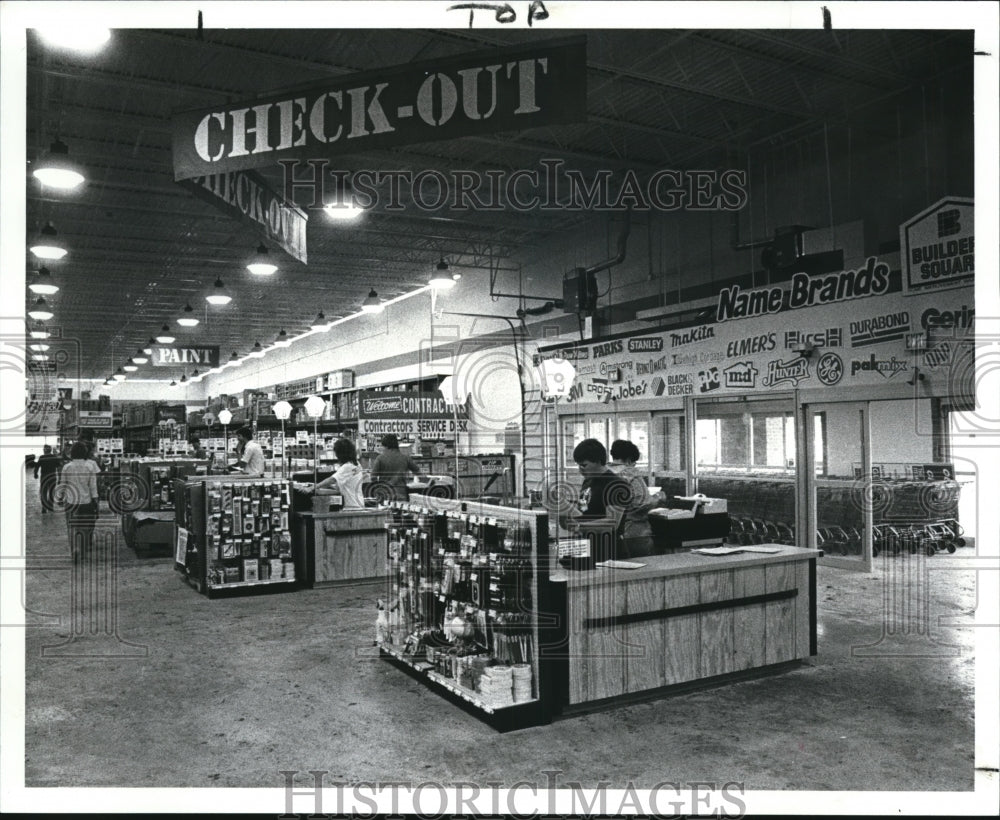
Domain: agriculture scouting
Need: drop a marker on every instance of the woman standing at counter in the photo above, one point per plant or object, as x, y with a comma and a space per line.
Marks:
637, 534
348, 477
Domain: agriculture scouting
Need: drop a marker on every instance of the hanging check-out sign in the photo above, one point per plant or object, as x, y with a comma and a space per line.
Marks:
504, 89
246, 196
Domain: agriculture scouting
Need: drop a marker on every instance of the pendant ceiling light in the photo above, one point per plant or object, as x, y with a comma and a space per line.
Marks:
172, 383
43, 283
39, 332
235, 360
40, 312
441, 278
282, 340
372, 304
257, 352
344, 208
39, 357
196, 376
48, 245
75, 37
261, 265
57, 170
188, 319
140, 357
130, 366
219, 294
165, 338
38, 348
148, 349
119, 375
320, 322
184, 378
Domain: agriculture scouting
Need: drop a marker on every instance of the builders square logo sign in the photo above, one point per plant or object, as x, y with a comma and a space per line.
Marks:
939, 246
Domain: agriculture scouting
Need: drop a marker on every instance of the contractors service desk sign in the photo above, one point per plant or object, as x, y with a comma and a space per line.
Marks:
938, 246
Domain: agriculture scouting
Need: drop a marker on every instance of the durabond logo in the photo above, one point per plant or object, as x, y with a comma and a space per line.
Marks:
741, 374
886, 328
830, 369
831, 337
887, 368
793, 372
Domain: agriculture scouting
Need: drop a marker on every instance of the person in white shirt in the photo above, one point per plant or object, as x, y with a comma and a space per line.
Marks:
250, 453
77, 492
349, 476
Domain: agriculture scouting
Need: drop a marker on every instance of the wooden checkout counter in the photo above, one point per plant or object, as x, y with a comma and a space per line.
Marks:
681, 618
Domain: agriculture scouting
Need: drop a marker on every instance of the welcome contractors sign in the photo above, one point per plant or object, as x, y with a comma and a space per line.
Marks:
506, 89
409, 414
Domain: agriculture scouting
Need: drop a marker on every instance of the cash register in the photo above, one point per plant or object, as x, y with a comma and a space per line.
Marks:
688, 521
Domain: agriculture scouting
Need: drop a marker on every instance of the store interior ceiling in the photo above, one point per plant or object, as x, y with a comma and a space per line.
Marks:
142, 247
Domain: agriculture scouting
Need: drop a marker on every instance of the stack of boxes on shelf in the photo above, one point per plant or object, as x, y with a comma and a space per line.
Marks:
248, 539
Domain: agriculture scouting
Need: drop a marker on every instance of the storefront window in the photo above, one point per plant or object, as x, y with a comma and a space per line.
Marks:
667, 444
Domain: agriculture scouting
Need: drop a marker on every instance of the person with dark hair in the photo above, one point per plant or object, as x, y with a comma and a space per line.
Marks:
77, 490
348, 477
637, 534
197, 451
47, 471
391, 466
602, 500
250, 453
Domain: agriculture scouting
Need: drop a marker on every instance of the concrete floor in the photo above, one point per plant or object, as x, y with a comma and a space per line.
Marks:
229, 692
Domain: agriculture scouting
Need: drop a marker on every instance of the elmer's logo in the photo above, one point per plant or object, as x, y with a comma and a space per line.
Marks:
741, 374
793, 372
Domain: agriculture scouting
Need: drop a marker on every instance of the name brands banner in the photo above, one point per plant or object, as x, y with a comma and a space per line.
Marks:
938, 246
847, 330
164, 356
246, 196
503, 89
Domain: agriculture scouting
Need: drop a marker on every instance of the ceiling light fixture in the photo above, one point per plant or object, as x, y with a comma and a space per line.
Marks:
119, 375
184, 378
441, 279
219, 294
48, 245
39, 357
148, 349
196, 376
165, 338
261, 265
57, 170
282, 340
234, 360
40, 312
130, 366
345, 207
75, 37
38, 348
140, 357
188, 319
172, 383
257, 352
372, 304
39, 332
320, 322
43, 284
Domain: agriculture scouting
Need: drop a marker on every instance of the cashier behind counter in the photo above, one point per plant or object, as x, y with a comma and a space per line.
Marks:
251, 456
605, 499
348, 478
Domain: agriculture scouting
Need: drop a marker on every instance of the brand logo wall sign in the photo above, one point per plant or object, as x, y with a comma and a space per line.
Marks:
831, 337
885, 328
830, 369
697, 334
939, 246
504, 89
887, 368
792, 371
645, 344
741, 374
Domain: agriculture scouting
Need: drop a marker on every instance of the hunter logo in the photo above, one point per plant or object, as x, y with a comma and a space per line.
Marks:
697, 334
887, 368
886, 328
831, 337
793, 372
741, 374
830, 369
709, 380
645, 344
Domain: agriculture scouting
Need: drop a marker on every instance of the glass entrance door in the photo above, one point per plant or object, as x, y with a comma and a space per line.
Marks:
840, 491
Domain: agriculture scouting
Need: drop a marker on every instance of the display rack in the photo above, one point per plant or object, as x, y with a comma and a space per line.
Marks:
466, 583
234, 534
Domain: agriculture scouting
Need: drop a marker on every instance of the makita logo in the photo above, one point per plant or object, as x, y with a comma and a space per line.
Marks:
887, 368
393, 405
696, 334
792, 372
